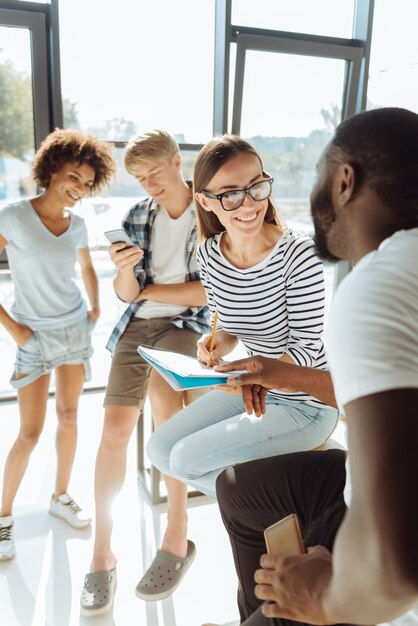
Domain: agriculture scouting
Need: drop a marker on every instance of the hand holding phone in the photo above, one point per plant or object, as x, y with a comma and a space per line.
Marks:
119, 235
126, 258
284, 537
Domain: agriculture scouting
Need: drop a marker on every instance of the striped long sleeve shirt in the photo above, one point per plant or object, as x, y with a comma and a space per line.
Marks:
275, 307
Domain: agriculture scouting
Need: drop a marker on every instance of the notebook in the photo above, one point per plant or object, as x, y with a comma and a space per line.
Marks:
182, 371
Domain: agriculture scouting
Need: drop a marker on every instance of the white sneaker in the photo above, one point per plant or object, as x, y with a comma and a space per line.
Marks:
7, 544
65, 508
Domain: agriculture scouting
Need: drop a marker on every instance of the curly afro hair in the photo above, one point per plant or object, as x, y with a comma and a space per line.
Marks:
63, 146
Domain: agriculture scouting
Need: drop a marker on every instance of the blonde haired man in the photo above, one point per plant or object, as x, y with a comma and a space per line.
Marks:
159, 279
155, 145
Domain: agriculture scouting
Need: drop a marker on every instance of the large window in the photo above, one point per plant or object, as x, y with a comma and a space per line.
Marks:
138, 65
289, 120
322, 17
17, 128
151, 74
23, 121
291, 129
128, 67
393, 76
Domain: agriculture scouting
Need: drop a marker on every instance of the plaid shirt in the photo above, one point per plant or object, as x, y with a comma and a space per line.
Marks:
138, 224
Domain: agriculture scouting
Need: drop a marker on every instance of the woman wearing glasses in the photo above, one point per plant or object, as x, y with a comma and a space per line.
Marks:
266, 284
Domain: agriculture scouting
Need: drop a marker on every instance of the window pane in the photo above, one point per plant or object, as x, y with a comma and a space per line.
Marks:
291, 121
322, 17
17, 144
16, 115
148, 65
393, 73
289, 124
144, 80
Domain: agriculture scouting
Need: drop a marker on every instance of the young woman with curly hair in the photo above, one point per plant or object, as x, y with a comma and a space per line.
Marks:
49, 320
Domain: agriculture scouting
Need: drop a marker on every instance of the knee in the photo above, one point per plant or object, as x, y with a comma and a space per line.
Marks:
157, 451
182, 463
161, 410
67, 416
226, 489
164, 405
115, 437
236, 496
222, 485
119, 423
28, 439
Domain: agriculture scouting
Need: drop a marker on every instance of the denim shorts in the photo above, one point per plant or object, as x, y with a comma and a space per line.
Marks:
47, 349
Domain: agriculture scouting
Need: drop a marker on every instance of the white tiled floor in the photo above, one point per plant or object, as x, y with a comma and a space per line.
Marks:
42, 585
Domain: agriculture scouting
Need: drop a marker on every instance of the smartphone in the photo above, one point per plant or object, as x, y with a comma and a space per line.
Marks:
119, 235
284, 537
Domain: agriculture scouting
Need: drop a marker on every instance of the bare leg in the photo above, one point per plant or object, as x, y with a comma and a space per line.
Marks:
32, 407
165, 402
69, 383
119, 423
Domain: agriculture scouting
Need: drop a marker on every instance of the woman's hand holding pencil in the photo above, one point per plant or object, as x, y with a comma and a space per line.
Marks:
208, 346
212, 339
211, 348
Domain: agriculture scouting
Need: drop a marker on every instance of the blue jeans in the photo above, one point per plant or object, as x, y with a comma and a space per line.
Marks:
215, 432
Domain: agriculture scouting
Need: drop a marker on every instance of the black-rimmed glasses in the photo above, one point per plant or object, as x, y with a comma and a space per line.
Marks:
233, 199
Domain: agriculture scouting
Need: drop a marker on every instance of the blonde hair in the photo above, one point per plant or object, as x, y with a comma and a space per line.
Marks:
153, 145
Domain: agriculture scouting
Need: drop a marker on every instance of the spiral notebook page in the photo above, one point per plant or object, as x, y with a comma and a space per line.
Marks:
181, 364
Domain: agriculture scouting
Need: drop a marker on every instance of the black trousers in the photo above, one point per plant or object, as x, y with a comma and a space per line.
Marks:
257, 494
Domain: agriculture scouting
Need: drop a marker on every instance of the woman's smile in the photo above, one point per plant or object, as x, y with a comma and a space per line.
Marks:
247, 218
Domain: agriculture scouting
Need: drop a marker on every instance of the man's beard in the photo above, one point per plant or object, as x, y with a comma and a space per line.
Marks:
324, 217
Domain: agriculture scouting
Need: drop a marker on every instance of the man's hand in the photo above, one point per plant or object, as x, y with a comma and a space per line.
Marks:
294, 586
279, 374
254, 397
269, 373
125, 258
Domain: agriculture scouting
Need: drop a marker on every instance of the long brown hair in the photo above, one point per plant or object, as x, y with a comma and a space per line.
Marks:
210, 159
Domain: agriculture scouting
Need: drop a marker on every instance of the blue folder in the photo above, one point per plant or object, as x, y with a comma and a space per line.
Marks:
180, 370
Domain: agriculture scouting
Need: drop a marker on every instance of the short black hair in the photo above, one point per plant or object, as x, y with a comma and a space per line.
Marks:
382, 147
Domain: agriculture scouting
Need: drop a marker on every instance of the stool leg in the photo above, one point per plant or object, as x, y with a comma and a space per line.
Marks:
140, 442
151, 477
156, 497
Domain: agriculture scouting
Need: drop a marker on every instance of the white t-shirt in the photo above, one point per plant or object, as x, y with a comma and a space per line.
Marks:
372, 334
168, 248
43, 268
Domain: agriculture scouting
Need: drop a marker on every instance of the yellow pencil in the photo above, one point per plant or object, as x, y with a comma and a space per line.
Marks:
212, 337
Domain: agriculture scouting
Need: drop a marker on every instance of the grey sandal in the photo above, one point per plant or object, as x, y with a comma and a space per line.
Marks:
164, 574
98, 592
